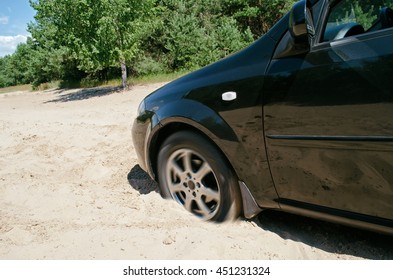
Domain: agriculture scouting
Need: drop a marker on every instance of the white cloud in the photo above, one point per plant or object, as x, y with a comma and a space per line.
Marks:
8, 44
4, 20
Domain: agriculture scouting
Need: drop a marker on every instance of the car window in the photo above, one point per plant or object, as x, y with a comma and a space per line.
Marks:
348, 18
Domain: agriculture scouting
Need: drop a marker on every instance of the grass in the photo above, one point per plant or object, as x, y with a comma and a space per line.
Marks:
44, 86
16, 88
149, 79
156, 78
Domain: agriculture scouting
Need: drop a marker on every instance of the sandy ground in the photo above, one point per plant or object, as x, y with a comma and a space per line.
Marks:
71, 188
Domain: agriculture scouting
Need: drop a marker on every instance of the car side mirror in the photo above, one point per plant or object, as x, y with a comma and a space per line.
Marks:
297, 21
300, 30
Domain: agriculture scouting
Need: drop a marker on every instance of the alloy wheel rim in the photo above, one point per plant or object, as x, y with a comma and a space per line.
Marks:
192, 183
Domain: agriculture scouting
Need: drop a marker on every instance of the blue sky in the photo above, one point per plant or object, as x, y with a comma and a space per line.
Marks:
14, 17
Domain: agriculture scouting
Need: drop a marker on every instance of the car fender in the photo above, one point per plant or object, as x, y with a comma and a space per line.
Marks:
206, 121
198, 116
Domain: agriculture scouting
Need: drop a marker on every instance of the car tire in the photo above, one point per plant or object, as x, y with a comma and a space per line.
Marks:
193, 172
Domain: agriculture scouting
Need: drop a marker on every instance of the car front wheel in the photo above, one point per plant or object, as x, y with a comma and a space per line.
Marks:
193, 172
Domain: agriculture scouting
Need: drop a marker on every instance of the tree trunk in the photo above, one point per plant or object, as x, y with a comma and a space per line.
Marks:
123, 74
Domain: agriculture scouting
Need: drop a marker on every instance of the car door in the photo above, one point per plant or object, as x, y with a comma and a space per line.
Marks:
328, 116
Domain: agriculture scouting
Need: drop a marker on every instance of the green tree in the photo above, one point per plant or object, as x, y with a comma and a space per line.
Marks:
188, 34
258, 15
98, 33
4, 77
19, 65
15, 68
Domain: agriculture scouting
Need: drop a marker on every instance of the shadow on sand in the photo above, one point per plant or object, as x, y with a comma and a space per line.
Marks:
328, 237
64, 95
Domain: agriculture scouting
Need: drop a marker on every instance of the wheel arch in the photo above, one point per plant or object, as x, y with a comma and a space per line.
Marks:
249, 206
203, 120
190, 115
169, 127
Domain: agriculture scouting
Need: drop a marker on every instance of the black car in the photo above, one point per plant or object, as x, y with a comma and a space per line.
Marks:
300, 121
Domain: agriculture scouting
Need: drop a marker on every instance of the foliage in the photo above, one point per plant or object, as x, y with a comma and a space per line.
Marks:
258, 15
189, 34
98, 33
85, 41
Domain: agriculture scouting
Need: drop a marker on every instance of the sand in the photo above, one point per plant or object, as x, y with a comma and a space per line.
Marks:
71, 188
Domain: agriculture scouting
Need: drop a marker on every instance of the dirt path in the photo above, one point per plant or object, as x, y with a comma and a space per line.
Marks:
71, 188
